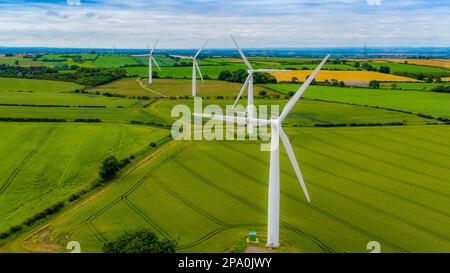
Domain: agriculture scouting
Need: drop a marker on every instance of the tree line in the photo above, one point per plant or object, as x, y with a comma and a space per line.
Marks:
84, 76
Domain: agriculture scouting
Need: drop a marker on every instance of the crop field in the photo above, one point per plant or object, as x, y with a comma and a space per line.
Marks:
25, 62
171, 87
115, 61
71, 99
306, 112
405, 207
184, 71
432, 103
444, 63
108, 114
25, 85
44, 163
352, 76
418, 86
412, 68
379, 172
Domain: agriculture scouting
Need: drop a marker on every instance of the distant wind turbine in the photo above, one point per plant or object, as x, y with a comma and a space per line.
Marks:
195, 68
151, 60
249, 83
277, 132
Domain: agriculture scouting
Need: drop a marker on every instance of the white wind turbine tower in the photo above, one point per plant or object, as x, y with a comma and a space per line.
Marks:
195, 68
277, 132
249, 82
150, 60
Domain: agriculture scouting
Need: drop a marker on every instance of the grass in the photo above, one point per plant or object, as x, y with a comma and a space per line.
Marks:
109, 114
25, 62
443, 63
353, 76
115, 61
45, 163
352, 202
62, 99
431, 103
211, 71
413, 69
417, 86
306, 112
171, 87
39, 86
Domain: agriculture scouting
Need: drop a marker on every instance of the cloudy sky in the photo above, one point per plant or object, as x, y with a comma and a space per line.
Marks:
257, 23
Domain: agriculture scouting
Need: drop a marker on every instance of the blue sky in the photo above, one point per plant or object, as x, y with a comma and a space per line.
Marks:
187, 23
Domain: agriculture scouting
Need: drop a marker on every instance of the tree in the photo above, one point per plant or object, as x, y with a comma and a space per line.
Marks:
262, 78
374, 84
139, 241
357, 65
262, 93
384, 69
109, 168
224, 75
294, 79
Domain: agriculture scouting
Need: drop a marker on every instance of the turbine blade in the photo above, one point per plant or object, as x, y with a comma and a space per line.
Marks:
154, 61
242, 90
233, 119
200, 50
301, 90
181, 57
290, 152
154, 46
241, 53
198, 69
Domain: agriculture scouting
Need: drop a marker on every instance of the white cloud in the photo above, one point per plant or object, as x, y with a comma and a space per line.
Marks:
74, 2
263, 23
374, 2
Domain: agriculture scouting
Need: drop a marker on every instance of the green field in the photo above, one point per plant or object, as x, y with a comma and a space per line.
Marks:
44, 163
115, 61
171, 87
307, 112
183, 72
41, 86
417, 86
352, 201
109, 114
410, 68
436, 104
62, 99
368, 181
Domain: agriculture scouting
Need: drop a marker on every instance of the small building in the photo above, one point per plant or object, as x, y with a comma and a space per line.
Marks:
252, 237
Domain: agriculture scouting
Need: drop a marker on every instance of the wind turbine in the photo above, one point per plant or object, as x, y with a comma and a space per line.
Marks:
277, 132
249, 82
150, 60
195, 67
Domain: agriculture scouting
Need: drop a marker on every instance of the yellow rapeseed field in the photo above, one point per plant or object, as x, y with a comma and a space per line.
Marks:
447, 79
346, 76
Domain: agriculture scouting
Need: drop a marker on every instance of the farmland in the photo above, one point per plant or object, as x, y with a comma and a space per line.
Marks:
350, 197
44, 163
170, 87
307, 112
411, 68
443, 63
379, 172
435, 104
351, 76
25, 85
